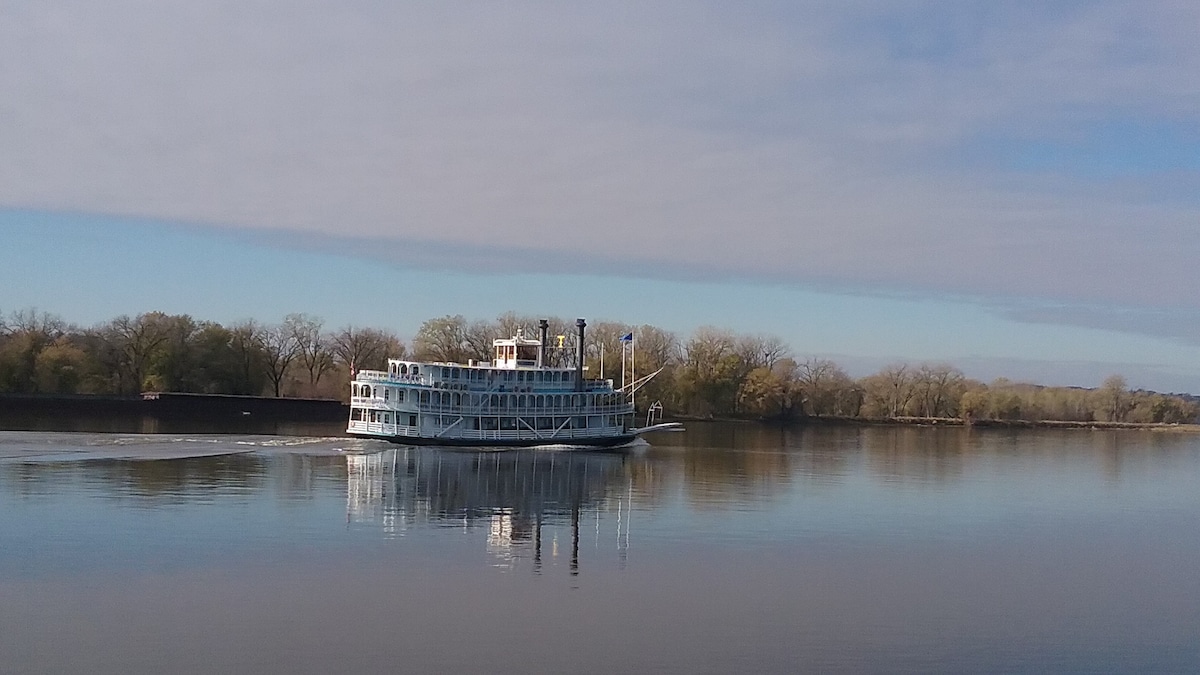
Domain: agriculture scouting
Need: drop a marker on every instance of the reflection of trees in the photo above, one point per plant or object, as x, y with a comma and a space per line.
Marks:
736, 462
923, 453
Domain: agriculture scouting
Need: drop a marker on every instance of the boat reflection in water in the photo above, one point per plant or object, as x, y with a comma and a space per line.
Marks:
522, 497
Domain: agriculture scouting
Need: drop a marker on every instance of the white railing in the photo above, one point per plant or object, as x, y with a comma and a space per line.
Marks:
382, 376
409, 406
381, 428
459, 433
547, 411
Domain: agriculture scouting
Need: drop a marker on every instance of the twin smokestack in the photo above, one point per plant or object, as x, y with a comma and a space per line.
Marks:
543, 330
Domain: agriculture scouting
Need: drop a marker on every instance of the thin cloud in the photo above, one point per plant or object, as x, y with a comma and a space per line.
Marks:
1179, 324
810, 142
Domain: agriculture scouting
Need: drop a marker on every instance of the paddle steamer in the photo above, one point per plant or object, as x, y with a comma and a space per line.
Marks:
517, 399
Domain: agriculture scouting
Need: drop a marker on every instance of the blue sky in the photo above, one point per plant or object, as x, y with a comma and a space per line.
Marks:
1013, 187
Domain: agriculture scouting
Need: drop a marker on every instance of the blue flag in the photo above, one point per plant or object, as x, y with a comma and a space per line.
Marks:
628, 337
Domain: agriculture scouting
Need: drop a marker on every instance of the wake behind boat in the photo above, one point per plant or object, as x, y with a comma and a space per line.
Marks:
518, 399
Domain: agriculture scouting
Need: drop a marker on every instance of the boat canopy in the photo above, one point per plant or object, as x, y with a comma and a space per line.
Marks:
516, 352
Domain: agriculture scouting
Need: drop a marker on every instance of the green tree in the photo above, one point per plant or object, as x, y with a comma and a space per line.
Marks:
771, 392
60, 367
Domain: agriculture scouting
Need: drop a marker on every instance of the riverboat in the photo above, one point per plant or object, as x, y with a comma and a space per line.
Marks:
519, 399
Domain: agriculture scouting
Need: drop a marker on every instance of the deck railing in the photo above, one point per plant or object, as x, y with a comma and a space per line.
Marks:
372, 403
459, 433
490, 385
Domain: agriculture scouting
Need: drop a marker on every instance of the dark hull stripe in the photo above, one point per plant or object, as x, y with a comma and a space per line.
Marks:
596, 442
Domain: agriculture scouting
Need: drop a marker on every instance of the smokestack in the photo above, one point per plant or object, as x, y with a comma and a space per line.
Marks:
543, 328
580, 323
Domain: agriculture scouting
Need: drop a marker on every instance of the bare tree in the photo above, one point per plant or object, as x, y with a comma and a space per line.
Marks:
938, 389
314, 348
889, 391
279, 350
761, 351
826, 387
359, 348
245, 340
1114, 398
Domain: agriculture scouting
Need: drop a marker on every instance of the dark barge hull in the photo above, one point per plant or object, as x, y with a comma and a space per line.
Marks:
599, 442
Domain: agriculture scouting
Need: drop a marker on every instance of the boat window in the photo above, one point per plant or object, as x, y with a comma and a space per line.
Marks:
454, 373
412, 420
521, 401
356, 414
415, 370
403, 369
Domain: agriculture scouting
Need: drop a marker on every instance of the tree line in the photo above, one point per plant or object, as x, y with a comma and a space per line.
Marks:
711, 372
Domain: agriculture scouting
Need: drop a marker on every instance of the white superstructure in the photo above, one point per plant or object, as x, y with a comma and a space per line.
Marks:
514, 400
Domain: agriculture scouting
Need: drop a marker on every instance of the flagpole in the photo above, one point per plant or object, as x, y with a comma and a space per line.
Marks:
622, 365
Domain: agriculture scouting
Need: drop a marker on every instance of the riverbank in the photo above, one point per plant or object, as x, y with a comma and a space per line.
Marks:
169, 412
834, 420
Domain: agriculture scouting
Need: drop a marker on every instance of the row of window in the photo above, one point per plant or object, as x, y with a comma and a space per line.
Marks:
489, 423
485, 374
382, 416
495, 401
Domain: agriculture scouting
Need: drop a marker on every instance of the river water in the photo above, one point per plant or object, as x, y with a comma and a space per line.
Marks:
727, 548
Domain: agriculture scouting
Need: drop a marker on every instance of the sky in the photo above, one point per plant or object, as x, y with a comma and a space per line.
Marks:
1011, 187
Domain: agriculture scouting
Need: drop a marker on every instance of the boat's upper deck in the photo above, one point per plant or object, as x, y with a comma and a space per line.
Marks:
480, 377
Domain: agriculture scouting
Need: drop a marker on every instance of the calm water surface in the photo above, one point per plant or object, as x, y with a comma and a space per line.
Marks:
728, 548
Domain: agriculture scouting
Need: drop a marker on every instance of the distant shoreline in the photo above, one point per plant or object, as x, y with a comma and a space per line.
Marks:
171, 412
832, 420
